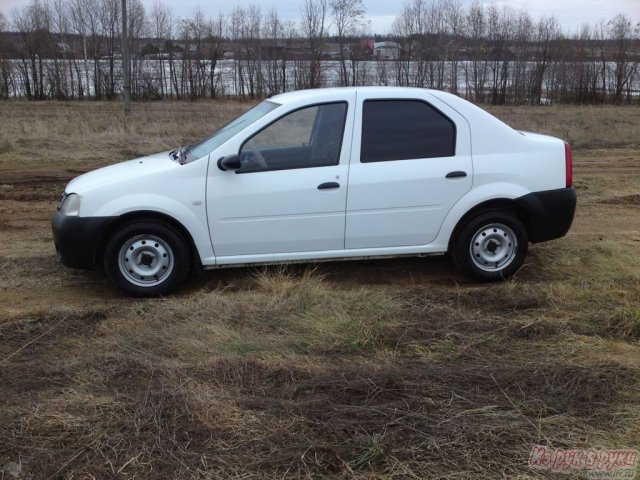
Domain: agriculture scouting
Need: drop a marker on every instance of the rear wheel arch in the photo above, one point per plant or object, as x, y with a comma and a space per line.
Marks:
498, 204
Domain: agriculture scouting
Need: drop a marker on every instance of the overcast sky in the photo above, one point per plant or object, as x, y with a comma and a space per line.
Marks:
570, 13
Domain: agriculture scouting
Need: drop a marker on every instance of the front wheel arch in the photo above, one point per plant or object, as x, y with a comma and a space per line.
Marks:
141, 216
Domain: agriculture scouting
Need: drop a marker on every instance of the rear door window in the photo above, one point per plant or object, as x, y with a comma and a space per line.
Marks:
405, 130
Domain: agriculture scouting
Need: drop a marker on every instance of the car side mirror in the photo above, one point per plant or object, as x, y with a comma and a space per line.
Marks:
229, 163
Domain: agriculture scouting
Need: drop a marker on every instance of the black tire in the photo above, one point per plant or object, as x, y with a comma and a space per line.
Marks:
490, 246
147, 258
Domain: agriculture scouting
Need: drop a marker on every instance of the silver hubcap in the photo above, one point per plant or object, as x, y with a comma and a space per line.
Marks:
493, 247
145, 260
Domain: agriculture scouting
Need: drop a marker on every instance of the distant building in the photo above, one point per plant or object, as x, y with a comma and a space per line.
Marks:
386, 50
63, 48
367, 44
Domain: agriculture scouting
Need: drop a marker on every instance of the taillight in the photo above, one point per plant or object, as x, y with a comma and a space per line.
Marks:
568, 164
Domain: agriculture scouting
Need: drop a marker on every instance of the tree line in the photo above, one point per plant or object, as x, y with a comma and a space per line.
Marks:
70, 49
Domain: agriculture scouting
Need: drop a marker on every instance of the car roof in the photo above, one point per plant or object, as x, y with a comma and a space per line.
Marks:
319, 94
300, 94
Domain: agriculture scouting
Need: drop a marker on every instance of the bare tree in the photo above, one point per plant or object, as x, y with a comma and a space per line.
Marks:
251, 42
95, 44
620, 31
348, 18
109, 21
522, 33
65, 68
508, 33
217, 29
438, 43
160, 29
476, 68
5, 65
278, 36
581, 75
138, 28
33, 23
191, 34
71, 49
546, 42
80, 24
454, 19
236, 25
289, 35
312, 27
410, 27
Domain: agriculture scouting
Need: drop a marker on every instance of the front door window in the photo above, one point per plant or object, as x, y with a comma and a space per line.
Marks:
309, 137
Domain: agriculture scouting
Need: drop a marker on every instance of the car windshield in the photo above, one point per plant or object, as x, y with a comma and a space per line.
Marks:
209, 144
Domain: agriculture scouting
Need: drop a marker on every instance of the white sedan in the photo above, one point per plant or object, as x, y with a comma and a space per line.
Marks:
324, 174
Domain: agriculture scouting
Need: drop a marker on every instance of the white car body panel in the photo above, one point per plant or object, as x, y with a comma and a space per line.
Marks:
403, 203
151, 184
381, 209
278, 211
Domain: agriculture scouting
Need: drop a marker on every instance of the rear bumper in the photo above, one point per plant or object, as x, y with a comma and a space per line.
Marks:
550, 213
78, 239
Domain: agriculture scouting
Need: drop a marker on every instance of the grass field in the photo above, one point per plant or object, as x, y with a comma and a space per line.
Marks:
379, 369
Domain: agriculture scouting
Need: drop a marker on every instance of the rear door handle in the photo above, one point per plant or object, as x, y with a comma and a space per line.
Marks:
456, 174
328, 185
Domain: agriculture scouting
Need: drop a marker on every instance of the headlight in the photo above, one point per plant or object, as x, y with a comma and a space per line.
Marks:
70, 205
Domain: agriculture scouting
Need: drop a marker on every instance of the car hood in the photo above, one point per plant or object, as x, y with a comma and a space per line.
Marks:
121, 171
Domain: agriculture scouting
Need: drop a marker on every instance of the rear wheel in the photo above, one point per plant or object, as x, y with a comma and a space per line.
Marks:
491, 246
147, 258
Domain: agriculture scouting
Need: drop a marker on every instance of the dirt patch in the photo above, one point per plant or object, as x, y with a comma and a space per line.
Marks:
21, 332
623, 200
32, 186
33, 196
355, 417
24, 179
393, 412
6, 224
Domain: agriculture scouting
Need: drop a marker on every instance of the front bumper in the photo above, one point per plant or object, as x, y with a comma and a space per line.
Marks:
550, 213
78, 239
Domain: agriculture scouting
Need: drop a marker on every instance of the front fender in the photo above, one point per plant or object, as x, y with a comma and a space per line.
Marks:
193, 217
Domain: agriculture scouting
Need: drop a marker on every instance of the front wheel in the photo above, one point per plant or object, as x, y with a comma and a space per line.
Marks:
146, 258
491, 246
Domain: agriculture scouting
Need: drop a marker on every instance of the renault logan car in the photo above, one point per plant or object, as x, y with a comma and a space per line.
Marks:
324, 174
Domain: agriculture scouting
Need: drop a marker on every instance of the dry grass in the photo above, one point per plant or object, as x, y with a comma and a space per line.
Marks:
80, 134
380, 369
585, 127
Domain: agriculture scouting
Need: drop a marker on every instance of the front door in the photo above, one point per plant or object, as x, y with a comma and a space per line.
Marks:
290, 193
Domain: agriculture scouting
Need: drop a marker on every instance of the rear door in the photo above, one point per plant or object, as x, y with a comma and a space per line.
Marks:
410, 163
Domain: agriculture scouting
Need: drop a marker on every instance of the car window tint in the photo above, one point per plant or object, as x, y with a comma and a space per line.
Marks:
291, 130
404, 129
309, 137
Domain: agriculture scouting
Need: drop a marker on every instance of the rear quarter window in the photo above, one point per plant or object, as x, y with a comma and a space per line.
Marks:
405, 130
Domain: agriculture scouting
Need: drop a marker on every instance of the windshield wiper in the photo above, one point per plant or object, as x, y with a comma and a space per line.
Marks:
180, 154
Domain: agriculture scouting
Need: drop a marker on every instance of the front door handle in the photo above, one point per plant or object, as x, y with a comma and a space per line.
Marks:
327, 185
456, 174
